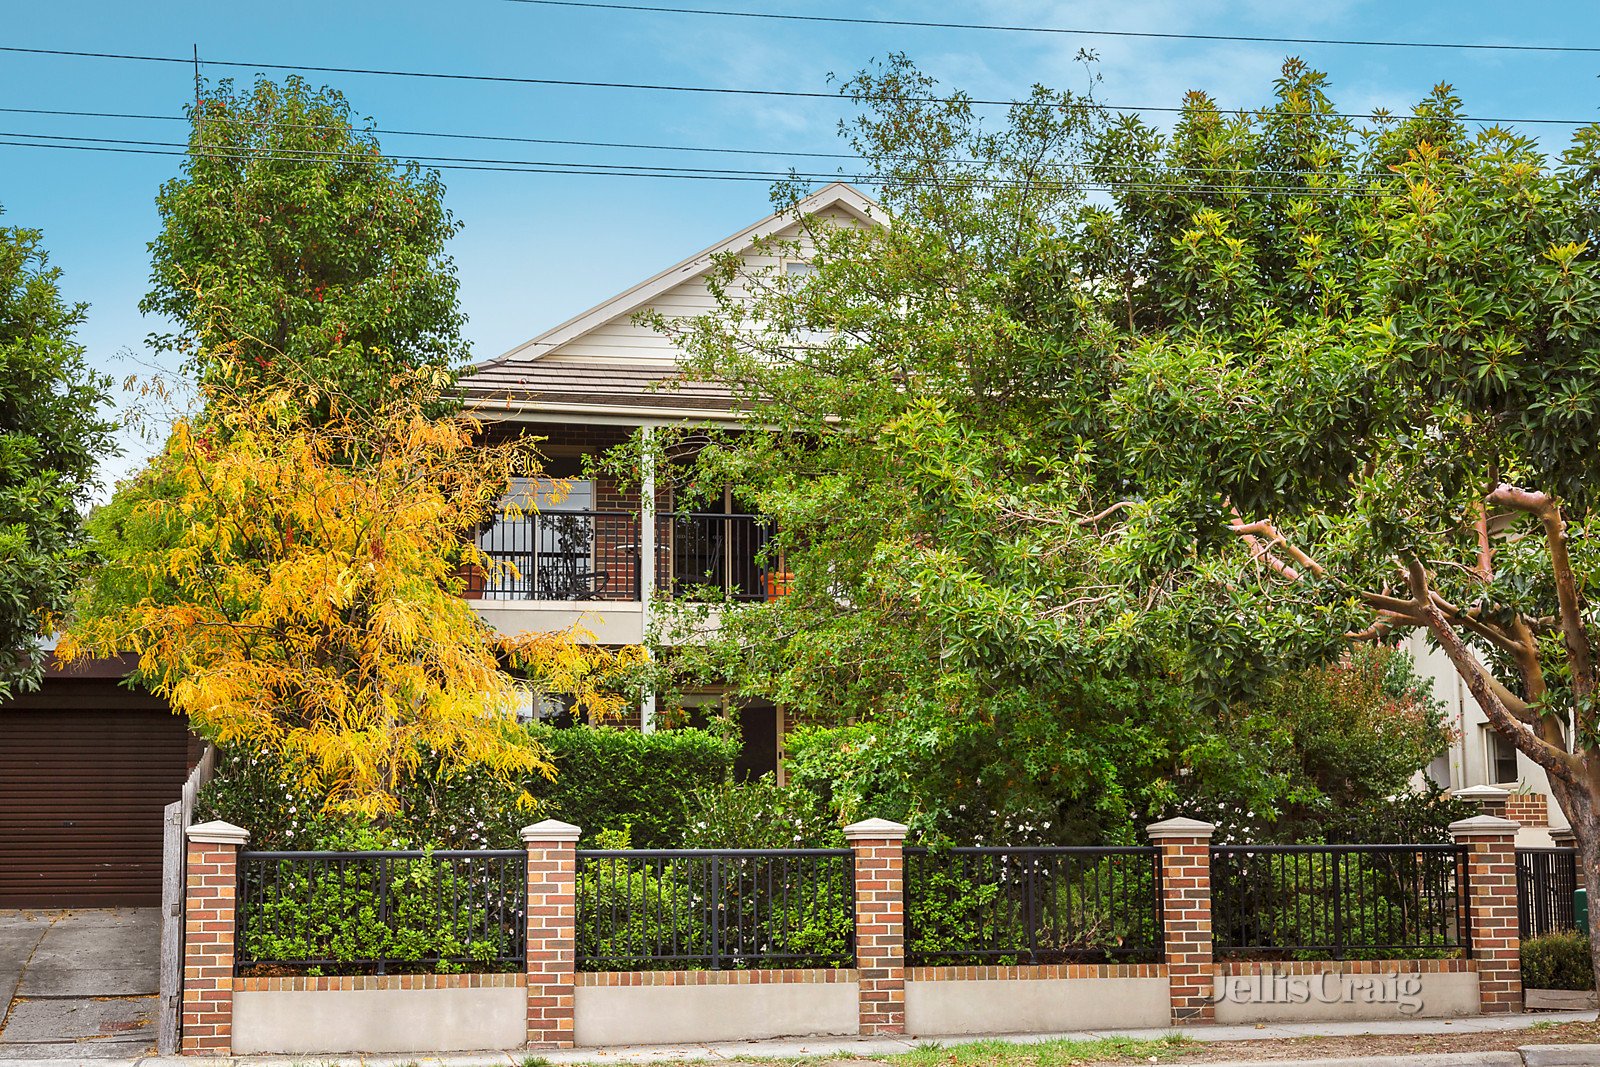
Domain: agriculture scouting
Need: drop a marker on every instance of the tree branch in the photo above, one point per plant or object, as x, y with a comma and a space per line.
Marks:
1574, 635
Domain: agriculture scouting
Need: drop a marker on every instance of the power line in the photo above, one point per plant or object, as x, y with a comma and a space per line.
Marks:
801, 94
160, 148
1081, 32
562, 142
466, 136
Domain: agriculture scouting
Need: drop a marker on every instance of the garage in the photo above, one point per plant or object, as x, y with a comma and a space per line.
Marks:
86, 767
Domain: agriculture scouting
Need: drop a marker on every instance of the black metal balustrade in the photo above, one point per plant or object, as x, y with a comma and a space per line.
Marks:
562, 555
722, 909
381, 912
976, 906
1340, 901
1547, 879
708, 556
555, 554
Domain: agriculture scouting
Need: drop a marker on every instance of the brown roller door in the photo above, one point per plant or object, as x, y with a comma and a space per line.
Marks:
85, 769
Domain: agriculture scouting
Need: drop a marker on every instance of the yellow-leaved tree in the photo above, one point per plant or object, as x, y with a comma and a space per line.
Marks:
291, 581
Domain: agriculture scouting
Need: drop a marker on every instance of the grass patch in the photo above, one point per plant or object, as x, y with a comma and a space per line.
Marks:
1059, 1053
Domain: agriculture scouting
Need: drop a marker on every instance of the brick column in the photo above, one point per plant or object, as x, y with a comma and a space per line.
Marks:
1492, 909
879, 847
208, 927
552, 927
1186, 917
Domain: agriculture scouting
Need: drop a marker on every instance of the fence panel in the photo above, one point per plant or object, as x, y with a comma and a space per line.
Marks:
975, 906
1339, 901
1547, 878
563, 555
725, 909
709, 555
381, 912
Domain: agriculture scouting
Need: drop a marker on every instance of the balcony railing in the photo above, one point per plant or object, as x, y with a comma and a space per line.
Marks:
597, 555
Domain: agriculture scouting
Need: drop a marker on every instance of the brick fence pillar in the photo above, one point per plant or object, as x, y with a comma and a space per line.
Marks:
1492, 909
879, 847
208, 926
552, 931
1186, 917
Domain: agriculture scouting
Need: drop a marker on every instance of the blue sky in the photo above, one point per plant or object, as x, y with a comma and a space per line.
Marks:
538, 248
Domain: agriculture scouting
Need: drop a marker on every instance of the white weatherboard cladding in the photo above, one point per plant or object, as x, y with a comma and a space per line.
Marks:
623, 338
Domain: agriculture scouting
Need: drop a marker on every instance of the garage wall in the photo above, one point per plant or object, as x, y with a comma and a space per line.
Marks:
85, 768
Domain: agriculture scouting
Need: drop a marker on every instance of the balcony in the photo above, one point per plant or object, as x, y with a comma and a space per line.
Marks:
591, 555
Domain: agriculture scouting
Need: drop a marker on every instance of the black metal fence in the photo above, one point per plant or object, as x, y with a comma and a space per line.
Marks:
708, 555
1340, 901
1547, 879
645, 909
1032, 905
381, 912
557, 554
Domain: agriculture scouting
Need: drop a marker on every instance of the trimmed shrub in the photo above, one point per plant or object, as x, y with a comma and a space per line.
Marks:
608, 778
1557, 961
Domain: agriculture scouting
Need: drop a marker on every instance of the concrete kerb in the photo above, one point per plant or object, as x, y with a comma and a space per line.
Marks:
1531, 1055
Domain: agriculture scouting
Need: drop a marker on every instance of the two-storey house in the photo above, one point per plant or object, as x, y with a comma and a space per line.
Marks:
605, 553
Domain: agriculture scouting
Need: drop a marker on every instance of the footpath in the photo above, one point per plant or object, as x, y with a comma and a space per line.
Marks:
846, 1049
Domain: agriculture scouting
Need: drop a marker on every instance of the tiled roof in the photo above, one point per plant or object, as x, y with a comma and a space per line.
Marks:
591, 384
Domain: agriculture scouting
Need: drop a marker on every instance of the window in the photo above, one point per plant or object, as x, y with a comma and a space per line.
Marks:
796, 273
1502, 760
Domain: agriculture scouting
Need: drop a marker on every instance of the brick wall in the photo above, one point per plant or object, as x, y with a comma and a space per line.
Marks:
1528, 809
211, 885
552, 925
879, 847
1186, 916
1492, 909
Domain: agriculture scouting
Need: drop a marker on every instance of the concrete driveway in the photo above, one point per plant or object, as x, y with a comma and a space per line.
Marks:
78, 984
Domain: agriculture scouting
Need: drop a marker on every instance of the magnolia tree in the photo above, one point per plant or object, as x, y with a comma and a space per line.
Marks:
290, 582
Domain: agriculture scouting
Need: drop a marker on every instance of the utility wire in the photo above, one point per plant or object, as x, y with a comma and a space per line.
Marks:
1144, 34
693, 149
159, 148
799, 94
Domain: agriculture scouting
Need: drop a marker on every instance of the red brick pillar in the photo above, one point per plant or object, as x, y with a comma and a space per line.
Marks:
1186, 917
879, 847
208, 927
552, 928
1492, 909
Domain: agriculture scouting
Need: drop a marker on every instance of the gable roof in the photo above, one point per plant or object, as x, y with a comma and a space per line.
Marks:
835, 195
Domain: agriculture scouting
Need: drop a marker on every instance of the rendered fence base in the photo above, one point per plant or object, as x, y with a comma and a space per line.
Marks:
399, 1013
667, 1007
1560, 1000
1351, 991
1019, 1000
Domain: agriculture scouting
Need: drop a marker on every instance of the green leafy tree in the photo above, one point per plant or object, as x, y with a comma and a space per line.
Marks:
943, 466
1420, 461
292, 244
51, 434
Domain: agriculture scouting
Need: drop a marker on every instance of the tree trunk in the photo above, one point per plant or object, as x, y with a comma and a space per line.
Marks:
1583, 811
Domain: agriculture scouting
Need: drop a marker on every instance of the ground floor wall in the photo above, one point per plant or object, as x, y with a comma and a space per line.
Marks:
1043, 999
397, 1013
1348, 991
669, 1007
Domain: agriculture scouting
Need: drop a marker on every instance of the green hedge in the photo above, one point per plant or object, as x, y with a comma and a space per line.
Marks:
609, 778
1557, 961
